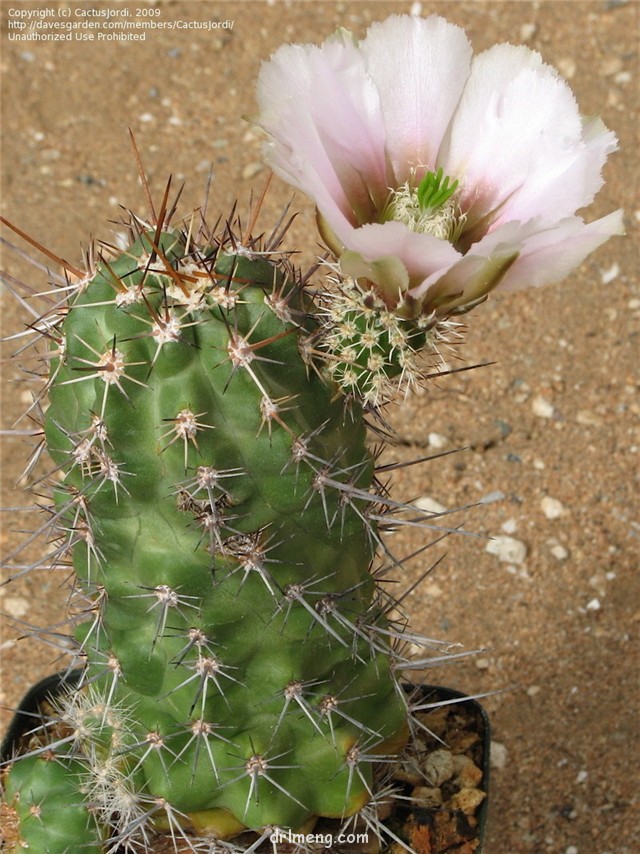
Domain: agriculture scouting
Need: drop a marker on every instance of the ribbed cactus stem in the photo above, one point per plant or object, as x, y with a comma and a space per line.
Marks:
219, 501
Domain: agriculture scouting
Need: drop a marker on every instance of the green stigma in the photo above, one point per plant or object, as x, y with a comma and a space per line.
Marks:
428, 208
432, 191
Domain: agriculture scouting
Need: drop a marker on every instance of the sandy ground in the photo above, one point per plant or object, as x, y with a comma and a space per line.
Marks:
551, 427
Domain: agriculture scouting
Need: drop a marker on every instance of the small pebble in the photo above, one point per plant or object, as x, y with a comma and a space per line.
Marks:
588, 418
567, 66
15, 606
430, 505
507, 549
522, 391
498, 755
467, 800
483, 663
437, 440
467, 774
438, 767
611, 66
542, 407
593, 605
433, 591
527, 31
559, 552
252, 169
599, 583
582, 776
609, 275
533, 690
552, 508
510, 526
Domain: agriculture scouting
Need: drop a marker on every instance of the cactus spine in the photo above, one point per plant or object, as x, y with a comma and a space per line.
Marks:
215, 492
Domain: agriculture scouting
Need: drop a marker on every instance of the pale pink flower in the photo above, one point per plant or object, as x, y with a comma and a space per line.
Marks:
494, 146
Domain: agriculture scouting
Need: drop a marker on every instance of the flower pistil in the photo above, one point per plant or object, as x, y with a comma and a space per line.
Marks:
428, 207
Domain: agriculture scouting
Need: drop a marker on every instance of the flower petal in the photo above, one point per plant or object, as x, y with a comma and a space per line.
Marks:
378, 247
327, 133
518, 143
419, 66
467, 282
551, 254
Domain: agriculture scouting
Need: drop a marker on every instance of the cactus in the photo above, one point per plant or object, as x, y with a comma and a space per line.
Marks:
215, 490
237, 650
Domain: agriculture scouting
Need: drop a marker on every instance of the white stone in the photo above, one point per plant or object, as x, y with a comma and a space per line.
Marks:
430, 505
594, 605
507, 549
16, 606
498, 755
559, 552
542, 407
552, 508
588, 418
437, 440
252, 169
433, 591
567, 66
438, 767
610, 274
527, 31
510, 526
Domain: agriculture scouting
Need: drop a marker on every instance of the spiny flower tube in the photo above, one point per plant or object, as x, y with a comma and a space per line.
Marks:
437, 176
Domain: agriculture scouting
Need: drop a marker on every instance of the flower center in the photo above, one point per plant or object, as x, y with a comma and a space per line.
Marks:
428, 208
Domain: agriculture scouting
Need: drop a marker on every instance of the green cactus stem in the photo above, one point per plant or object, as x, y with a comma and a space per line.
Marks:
216, 494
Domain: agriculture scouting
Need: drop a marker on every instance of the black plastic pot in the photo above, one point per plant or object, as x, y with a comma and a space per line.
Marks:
31, 714
438, 695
